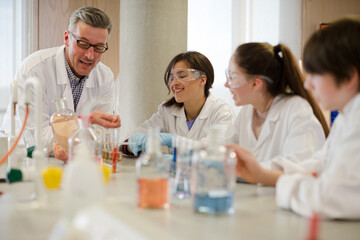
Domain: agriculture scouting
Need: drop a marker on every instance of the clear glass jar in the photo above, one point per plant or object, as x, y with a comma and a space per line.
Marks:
152, 172
213, 177
86, 134
110, 152
64, 124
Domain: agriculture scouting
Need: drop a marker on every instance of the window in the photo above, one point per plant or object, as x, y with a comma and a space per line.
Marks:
15, 20
216, 28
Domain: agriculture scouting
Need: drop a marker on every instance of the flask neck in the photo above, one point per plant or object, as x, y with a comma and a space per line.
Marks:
84, 121
153, 141
153, 145
61, 104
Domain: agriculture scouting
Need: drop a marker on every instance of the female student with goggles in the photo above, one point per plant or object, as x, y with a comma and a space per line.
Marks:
192, 109
329, 181
279, 118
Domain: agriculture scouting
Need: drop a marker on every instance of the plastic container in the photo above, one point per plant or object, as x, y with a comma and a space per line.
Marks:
213, 176
82, 181
87, 135
64, 124
152, 172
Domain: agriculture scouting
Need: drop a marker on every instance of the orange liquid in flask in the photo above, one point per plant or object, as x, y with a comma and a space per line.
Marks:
153, 193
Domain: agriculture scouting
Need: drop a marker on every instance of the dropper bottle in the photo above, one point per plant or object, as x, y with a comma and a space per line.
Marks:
152, 171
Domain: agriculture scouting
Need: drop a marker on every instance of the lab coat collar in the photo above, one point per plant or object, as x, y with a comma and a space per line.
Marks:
204, 113
179, 113
180, 117
272, 117
274, 111
60, 67
354, 103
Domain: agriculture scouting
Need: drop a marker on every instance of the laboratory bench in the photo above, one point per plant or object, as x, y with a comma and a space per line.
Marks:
256, 215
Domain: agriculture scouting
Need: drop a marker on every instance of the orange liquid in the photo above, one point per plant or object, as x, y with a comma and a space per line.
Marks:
153, 193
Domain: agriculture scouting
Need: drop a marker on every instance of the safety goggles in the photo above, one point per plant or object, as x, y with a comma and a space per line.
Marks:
235, 80
184, 75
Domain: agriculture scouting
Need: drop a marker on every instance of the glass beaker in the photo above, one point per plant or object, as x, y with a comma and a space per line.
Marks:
183, 148
110, 152
213, 178
64, 124
86, 134
152, 171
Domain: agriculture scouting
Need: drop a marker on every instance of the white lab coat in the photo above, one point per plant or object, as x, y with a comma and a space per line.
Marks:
290, 130
173, 119
49, 67
336, 192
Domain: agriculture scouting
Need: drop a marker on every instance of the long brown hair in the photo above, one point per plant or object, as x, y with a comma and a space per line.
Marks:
278, 64
196, 61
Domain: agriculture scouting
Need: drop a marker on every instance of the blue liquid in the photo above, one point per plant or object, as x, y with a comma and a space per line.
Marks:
205, 204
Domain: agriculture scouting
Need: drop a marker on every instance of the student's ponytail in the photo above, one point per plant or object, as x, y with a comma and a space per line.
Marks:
295, 81
278, 64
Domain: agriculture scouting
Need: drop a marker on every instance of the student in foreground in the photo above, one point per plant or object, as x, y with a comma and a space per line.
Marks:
329, 182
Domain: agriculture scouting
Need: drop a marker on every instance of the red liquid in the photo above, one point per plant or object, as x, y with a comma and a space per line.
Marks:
153, 193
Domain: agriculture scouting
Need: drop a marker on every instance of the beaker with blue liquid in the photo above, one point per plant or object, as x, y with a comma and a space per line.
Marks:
213, 176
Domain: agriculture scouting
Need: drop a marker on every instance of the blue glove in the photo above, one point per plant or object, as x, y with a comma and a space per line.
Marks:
139, 143
166, 139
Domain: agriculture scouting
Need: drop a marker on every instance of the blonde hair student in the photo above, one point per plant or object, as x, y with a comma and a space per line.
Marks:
328, 182
279, 118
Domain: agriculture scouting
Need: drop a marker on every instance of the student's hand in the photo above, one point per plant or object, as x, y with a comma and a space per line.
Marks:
60, 153
138, 141
166, 139
247, 167
105, 120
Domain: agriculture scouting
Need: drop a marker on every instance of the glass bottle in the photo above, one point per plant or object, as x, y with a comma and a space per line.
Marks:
64, 124
213, 176
82, 182
152, 171
86, 134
